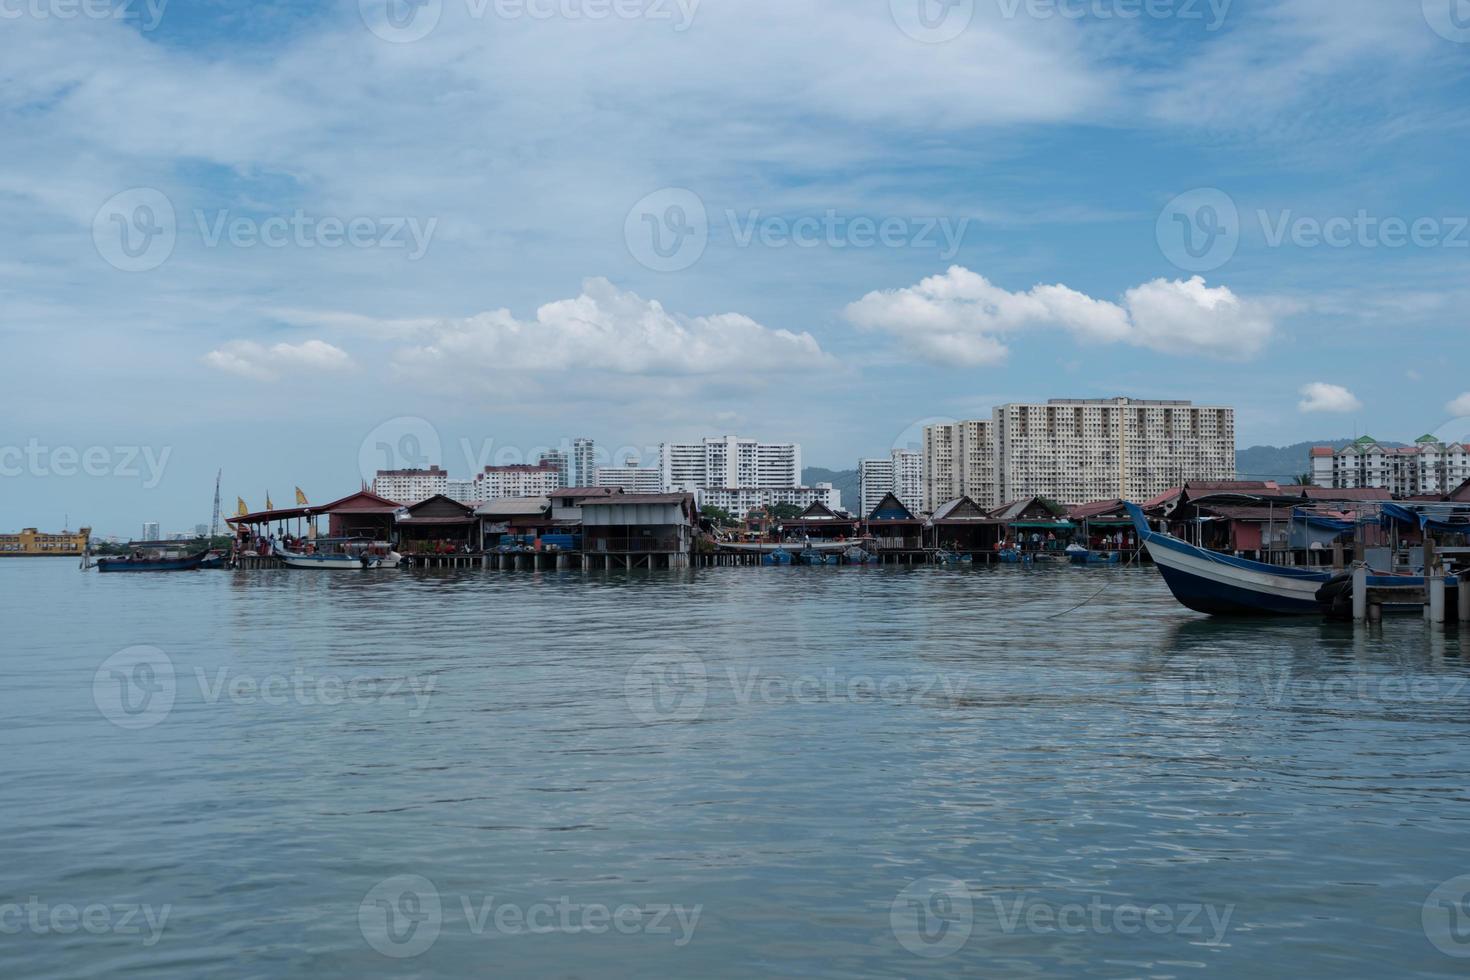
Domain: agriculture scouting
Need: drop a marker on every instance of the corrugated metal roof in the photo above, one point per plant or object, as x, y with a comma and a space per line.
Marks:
514, 506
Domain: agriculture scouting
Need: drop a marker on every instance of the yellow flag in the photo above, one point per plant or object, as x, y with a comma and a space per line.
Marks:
268, 504
300, 498
240, 509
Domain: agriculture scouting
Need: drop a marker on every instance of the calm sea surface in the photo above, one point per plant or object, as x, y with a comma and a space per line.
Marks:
731, 772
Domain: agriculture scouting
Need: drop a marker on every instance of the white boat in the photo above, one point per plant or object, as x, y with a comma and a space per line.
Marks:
332, 561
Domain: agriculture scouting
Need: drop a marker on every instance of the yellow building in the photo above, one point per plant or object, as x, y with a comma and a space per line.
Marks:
31, 542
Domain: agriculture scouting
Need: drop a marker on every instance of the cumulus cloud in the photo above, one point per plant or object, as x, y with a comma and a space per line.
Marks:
248, 359
1460, 406
611, 331
962, 317
1319, 396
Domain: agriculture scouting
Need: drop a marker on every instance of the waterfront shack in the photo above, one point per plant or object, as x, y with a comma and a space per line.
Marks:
964, 527
639, 530
1103, 525
566, 503
894, 528
438, 525
360, 515
820, 523
1035, 523
518, 523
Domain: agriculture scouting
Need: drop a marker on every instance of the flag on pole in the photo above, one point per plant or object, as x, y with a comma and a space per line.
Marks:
240, 509
300, 498
268, 504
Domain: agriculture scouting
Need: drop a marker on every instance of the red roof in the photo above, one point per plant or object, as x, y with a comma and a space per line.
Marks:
1323, 451
364, 501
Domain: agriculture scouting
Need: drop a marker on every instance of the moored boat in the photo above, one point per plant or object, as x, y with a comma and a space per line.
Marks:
1224, 585
158, 563
327, 561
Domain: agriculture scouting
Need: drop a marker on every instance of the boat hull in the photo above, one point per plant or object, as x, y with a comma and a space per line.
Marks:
337, 563
185, 564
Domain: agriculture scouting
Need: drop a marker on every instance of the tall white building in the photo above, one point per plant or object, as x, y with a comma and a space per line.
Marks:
411, 486
1427, 467
1078, 450
150, 531
584, 462
729, 462
631, 479
562, 460
901, 474
739, 501
959, 461
520, 480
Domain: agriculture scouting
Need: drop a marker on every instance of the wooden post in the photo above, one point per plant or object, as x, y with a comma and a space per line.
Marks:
1360, 592
1337, 555
1462, 591
1436, 596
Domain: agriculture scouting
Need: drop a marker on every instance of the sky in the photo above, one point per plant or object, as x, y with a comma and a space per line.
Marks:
296, 241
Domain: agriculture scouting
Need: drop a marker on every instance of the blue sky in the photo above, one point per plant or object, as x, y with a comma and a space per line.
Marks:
270, 238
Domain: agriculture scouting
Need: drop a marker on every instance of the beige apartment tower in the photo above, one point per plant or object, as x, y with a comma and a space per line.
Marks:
1079, 450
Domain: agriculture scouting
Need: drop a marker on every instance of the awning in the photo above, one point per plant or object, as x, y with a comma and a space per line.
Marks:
1043, 524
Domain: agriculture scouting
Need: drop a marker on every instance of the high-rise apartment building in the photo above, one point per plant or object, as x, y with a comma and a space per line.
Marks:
1428, 466
584, 462
630, 479
519, 480
959, 461
1078, 450
729, 462
409, 486
901, 474
150, 531
562, 461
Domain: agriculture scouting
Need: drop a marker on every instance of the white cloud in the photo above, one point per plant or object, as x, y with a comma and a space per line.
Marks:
1319, 396
248, 359
1459, 406
606, 330
1188, 317
962, 317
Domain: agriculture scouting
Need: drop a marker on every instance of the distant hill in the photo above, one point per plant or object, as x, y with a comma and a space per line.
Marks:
1282, 463
844, 480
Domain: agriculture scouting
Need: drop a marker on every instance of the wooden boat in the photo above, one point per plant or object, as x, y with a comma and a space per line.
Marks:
326, 561
944, 557
1224, 585
778, 557
1083, 556
161, 563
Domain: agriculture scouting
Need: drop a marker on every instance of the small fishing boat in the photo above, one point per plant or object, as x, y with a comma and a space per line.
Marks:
327, 560
944, 557
1224, 585
858, 556
811, 556
1079, 555
155, 562
778, 557
1013, 556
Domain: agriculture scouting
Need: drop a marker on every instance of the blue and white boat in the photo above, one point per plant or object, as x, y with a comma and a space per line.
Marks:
1224, 585
155, 563
326, 561
778, 557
